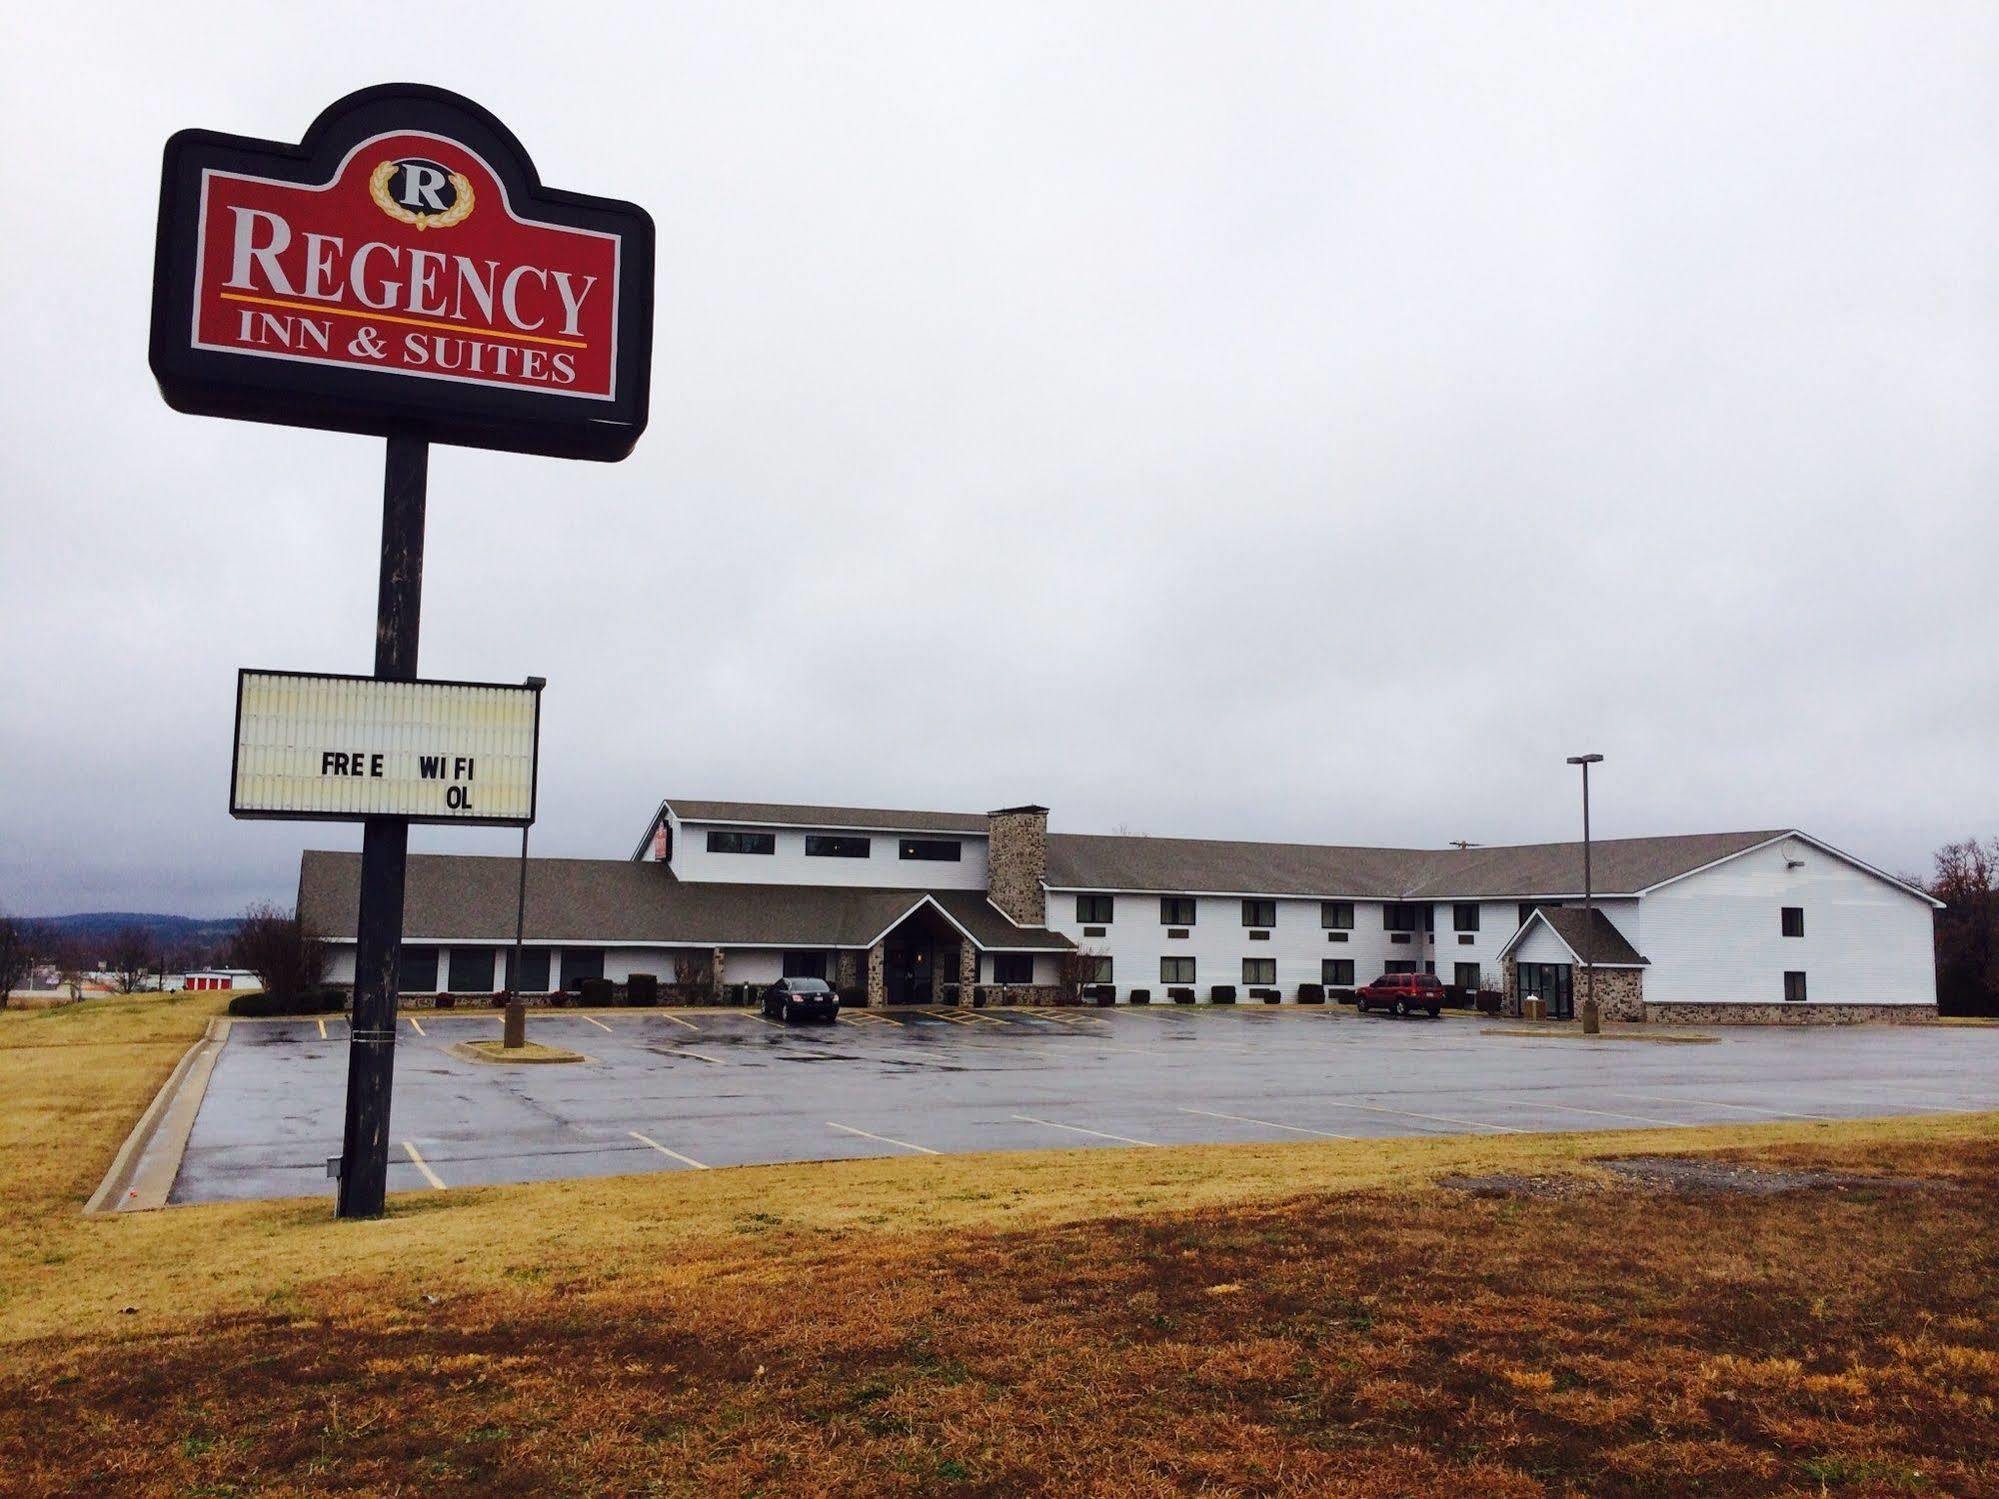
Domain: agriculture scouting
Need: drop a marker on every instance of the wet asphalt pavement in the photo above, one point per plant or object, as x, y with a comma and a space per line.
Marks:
671, 1092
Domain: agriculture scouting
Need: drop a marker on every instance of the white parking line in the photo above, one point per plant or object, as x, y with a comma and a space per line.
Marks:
686, 1160
1569, 1108
682, 1051
414, 1026
423, 1166
925, 1149
594, 1021
1710, 1103
1297, 1129
1078, 1129
1375, 1108
678, 1021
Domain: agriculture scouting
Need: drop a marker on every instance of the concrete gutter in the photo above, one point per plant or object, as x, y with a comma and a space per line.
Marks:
143, 1171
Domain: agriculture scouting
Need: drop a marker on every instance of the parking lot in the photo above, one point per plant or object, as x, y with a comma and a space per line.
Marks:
664, 1091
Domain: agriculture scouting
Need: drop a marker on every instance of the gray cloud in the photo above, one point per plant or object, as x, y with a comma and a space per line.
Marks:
1247, 421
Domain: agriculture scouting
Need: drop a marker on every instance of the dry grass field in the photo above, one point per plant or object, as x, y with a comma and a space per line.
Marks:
1311, 1319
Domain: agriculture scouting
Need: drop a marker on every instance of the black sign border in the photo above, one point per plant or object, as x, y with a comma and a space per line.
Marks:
236, 750
206, 382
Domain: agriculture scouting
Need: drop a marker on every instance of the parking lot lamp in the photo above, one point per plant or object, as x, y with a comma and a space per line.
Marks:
1592, 1018
513, 1034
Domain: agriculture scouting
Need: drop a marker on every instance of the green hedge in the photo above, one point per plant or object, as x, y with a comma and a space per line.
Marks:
328, 999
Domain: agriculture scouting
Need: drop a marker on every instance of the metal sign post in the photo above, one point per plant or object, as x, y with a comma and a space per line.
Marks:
378, 935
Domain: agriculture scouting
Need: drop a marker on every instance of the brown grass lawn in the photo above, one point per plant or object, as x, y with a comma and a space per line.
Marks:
1311, 1319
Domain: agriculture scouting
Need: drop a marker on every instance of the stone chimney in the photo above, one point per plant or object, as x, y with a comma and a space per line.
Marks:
1017, 861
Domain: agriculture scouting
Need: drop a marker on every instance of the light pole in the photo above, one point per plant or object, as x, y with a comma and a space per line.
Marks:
513, 1031
1592, 1019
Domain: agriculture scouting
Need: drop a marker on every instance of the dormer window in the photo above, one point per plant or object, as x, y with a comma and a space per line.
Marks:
836, 846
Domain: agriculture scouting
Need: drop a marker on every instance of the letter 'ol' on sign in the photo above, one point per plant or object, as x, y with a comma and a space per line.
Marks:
334, 748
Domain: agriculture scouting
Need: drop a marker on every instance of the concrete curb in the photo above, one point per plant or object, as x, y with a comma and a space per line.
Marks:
168, 1120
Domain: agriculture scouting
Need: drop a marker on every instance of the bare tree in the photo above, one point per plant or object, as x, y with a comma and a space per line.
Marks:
693, 977
1075, 971
131, 956
1967, 929
17, 955
287, 959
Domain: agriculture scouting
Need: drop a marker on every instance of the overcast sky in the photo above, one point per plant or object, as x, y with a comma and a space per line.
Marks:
1292, 422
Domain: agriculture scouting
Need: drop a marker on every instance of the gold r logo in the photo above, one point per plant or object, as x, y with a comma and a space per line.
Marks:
421, 193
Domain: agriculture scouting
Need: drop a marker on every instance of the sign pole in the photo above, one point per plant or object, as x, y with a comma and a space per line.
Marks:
371, 1049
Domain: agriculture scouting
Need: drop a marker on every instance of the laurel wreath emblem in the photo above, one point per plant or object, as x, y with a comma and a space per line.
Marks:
461, 208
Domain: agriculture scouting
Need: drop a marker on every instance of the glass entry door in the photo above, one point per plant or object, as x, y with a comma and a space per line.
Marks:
1553, 982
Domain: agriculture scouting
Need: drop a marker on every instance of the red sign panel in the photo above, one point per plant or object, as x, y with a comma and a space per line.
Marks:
412, 260
401, 270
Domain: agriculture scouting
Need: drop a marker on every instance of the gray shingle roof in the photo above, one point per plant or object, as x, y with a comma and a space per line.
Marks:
795, 815
1621, 866
1592, 936
612, 901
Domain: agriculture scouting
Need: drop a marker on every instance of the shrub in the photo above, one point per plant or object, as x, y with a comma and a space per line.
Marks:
855, 998
1180, 996
1311, 994
641, 988
595, 991
1488, 1002
1105, 995
1340, 996
1141, 996
1268, 996
1222, 994
327, 999
450, 1001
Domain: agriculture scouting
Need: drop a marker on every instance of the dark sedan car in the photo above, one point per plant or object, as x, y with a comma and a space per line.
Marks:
801, 999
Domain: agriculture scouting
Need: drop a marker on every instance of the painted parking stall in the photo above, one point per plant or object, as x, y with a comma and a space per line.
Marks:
708, 1090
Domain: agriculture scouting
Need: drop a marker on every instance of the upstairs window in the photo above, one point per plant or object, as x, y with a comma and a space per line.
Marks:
1259, 913
727, 842
1794, 986
1398, 917
1336, 915
1262, 971
1794, 921
1464, 916
1095, 910
942, 850
836, 846
1176, 910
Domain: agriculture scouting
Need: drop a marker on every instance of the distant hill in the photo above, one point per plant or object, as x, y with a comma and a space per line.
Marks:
97, 928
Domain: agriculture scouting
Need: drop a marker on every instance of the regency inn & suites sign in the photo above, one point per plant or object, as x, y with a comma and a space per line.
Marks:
401, 269
401, 272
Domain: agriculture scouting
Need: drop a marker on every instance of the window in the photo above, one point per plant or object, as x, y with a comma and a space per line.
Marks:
579, 963
1336, 915
534, 969
419, 970
1176, 910
836, 846
1399, 965
721, 842
1176, 970
1259, 971
805, 965
1095, 909
1794, 921
1430, 967
1103, 972
1337, 972
1466, 976
1259, 913
1013, 968
471, 970
1398, 917
943, 850
1794, 985
1464, 916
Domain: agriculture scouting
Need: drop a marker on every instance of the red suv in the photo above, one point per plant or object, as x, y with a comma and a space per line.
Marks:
1401, 993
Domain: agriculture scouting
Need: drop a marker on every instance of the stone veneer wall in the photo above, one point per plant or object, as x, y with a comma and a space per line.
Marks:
1620, 992
1799, 1012
1017, 862
846, 970
877, 976
968, 972
1022, 994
